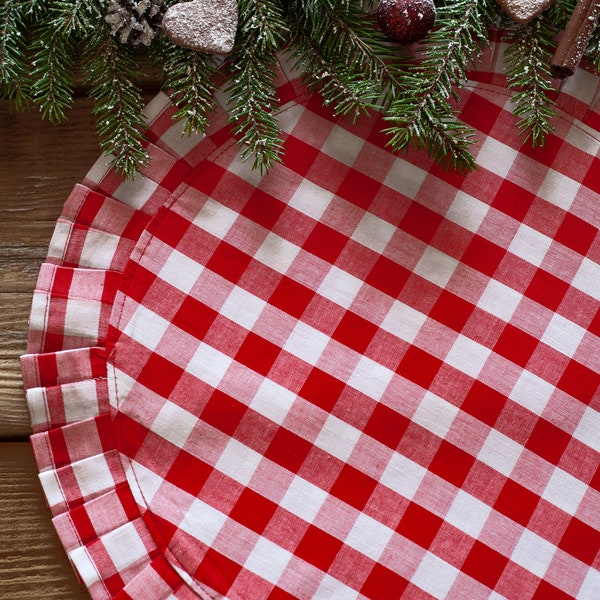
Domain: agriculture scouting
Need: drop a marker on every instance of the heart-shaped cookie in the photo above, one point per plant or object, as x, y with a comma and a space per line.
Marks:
204, 25
522, 11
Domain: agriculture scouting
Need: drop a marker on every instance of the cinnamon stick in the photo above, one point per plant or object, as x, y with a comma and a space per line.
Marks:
575, 38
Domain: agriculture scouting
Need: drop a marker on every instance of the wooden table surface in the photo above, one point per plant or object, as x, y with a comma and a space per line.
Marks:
40, 164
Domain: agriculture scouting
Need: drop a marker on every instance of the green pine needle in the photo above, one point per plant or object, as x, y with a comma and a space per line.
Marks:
190, 79
560, 12
111, 71
423, 117
76, 16
527, 58
345, 56
339, 50
592, 54
52, 74
253, 98
15, 82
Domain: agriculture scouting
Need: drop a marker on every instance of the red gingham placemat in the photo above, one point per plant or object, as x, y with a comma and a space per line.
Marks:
357, 376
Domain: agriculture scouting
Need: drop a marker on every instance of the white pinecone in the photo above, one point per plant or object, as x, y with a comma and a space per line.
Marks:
135, 22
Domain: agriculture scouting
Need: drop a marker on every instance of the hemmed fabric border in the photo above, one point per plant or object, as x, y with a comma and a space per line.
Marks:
89, 485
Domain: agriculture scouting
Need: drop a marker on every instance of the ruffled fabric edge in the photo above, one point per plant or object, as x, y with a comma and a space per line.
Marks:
86, 482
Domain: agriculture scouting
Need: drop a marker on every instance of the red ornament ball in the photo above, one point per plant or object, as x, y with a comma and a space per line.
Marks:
406, 21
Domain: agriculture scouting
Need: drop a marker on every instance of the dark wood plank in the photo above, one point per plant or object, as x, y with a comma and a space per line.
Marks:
42, 162
33, 563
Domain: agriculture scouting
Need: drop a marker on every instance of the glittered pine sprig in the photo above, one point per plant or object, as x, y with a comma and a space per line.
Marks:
346, 50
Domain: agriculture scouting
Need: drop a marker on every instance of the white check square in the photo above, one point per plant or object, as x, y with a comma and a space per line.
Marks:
467, 356
468, 514
273, 401
588, 428
86, 568
242, 307
467, 211
277, 252
371, 378
558, 189
340, 287
500, 452
124, 537
331, 588
82, 318
268, 560
98, 244
403, 321
238, 461
215, 218
369, 537
530, 245
209, 364
565, 491
436, 266
146, 327
405, 178
203, 521
403, 476
174, 424
93, 475
134, 191
435, 576
533, 553
306, 343
337, 438
563, 335
496, 157
590, 588
180, 271
373, 232
343, 145
303, 499
435, 414
499, 300
587, 278
311, 199
532, 392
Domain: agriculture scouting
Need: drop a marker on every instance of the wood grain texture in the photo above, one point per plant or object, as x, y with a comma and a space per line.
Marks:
41, 164
33, 563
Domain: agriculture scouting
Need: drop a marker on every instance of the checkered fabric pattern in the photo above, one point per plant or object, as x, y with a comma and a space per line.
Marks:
357, 376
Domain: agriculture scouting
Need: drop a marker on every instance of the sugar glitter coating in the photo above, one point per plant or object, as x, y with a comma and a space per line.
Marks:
406, 21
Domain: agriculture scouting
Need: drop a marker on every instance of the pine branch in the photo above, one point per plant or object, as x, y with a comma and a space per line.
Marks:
339, 49
15, 82
592, 53
76, 16
345, 55
251, 86
111, 70
52, 74
423, 117
341, 85
189, 78
560, 12
528, 58
35, 9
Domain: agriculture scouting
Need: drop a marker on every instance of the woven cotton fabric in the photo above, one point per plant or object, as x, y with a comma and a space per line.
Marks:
356, 376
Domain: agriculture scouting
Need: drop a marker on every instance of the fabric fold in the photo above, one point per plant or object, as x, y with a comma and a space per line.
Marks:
57, 368
95, 231
70, 308
56, 406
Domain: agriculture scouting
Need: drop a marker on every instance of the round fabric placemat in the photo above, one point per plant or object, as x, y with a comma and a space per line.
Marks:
356, 376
